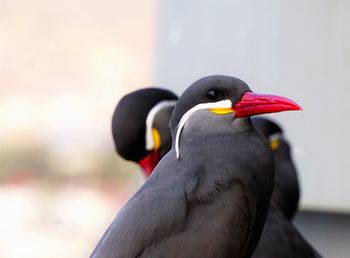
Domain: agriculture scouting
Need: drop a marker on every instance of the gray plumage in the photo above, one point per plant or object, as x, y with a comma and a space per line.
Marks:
280, 238
213, 201
286, 192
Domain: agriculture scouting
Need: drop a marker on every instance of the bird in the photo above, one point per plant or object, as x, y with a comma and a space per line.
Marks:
272, 235
140, 126
280, 238
286, 191
286, 187
209, 195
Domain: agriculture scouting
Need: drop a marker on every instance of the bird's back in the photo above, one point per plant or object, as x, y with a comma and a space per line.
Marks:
186, 209
280, 238
286, 192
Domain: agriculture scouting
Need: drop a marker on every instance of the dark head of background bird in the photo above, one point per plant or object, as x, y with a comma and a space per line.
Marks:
286, 191
266, 126
140, 126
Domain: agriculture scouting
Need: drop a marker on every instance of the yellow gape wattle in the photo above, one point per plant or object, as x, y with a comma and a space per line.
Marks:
156, 138
274, 144
221, 111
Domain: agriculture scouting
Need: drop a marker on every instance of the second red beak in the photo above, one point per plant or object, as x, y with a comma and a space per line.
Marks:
149, 162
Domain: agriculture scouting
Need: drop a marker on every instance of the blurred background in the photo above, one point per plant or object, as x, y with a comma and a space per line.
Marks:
65, 64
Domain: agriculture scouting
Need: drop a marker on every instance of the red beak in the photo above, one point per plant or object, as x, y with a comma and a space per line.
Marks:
149, 162
255, 104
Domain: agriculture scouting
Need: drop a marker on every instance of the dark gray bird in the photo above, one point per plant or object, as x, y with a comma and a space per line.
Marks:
209, 196
286, 189
280, 238
140, 126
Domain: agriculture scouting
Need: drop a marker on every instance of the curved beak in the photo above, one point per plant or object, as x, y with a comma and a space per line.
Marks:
254, 104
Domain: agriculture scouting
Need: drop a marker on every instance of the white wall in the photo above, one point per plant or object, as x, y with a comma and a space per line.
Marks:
299, 49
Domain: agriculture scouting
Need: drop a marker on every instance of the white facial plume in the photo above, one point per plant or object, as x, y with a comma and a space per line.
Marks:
150, 119
223, 104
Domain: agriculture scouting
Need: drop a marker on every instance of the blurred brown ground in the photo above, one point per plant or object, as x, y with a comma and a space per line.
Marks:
64, 65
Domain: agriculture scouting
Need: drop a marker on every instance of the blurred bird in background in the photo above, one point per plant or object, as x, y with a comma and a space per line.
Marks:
140, 126
286, 191
280, 238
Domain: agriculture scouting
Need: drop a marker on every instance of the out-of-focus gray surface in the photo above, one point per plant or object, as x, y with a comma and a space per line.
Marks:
329, 233
299, 49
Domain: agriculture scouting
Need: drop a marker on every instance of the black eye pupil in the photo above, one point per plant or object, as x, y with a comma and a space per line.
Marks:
212, 95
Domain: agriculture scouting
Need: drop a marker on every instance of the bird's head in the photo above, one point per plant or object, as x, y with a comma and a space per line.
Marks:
271, 130
140, 126
219, 100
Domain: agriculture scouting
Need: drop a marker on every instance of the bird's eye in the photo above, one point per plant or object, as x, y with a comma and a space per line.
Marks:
212, 94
